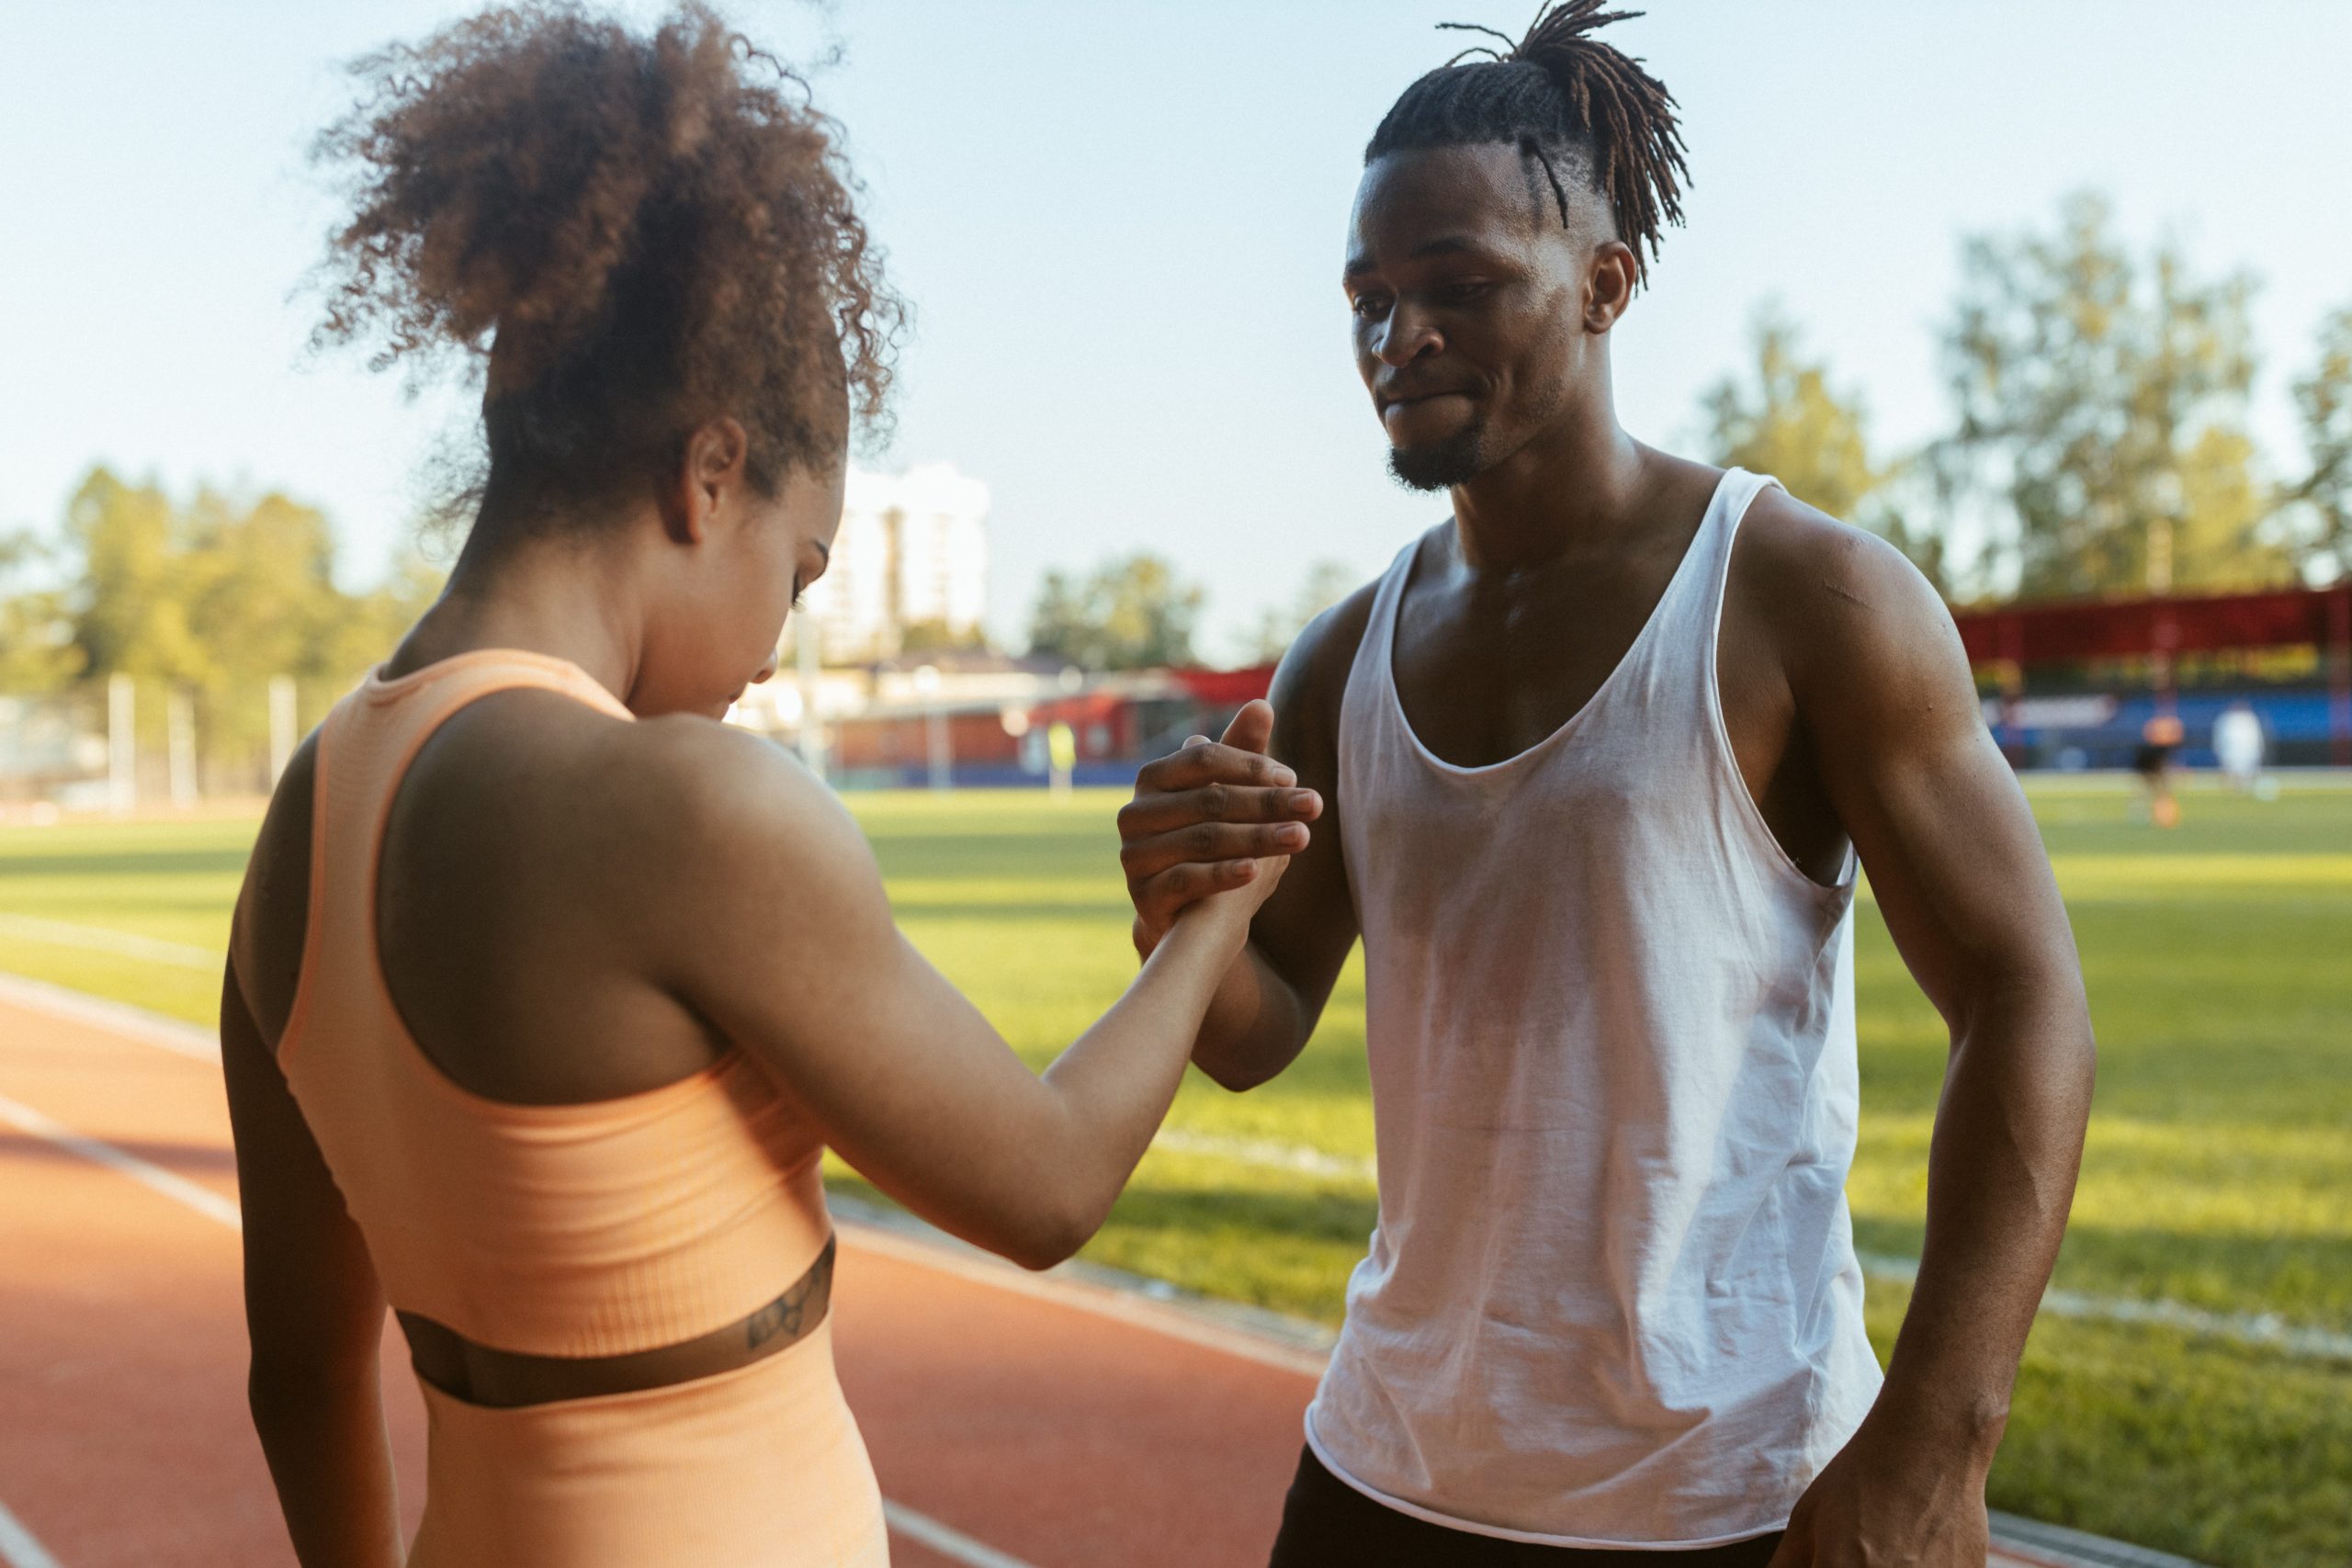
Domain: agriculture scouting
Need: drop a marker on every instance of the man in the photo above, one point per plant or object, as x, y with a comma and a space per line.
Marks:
1590, 770
2237, 746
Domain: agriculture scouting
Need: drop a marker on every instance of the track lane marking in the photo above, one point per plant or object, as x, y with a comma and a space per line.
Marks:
132, 1023
178, 1189
924, 1530
17, 1547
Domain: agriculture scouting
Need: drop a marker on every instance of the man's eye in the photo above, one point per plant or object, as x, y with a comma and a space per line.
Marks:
1460, 293
1369, 305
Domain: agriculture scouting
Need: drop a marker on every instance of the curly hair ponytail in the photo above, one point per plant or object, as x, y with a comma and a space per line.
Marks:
625, 234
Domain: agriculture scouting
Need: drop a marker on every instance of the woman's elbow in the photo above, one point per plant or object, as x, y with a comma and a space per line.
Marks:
293, 1395
1053, 1234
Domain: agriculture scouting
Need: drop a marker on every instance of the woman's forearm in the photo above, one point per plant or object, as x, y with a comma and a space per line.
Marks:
1115, 1082
332, 1461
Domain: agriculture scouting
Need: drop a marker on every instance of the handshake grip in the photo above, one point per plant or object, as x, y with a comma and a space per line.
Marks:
1212, 817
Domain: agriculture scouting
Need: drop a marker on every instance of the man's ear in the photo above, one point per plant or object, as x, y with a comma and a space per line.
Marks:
1609, 284
710, 467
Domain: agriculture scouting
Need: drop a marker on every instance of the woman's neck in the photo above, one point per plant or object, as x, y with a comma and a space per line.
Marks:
564, 598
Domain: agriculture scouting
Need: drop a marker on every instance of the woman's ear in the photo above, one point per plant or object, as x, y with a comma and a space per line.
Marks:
710, 467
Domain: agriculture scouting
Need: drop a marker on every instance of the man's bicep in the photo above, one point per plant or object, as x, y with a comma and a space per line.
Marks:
1937, 817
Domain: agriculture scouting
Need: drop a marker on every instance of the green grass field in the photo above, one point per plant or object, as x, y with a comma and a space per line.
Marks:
2219, 1174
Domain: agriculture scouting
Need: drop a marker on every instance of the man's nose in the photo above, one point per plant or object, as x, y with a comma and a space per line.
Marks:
1408, 336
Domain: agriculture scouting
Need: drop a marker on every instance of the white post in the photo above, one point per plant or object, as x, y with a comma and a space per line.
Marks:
179, 718
934, 723
942, 761
1061, 754
281, 726
122, 743
812, 728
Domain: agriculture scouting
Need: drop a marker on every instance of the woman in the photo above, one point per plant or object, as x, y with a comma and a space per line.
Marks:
547, 990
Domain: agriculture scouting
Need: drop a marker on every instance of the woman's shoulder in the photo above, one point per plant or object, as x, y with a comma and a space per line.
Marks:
273, 909
727, 809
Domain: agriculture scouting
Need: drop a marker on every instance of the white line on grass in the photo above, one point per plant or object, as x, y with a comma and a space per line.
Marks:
927, 1531
179, 954
18, 1546
1265, 1152
178, 1189
2264, 1328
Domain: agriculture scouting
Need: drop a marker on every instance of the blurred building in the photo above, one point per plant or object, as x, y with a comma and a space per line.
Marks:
911, 553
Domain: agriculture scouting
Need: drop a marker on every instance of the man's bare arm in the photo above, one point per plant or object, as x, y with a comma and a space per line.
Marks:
1214, 800
1891, 719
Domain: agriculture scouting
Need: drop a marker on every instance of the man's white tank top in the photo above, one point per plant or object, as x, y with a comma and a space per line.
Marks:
1613, 1299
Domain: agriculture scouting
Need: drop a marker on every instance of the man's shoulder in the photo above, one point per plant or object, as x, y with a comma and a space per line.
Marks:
1835, 601
1321, 657
1313, 676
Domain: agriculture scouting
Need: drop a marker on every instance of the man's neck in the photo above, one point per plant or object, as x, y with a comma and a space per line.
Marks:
1577, 486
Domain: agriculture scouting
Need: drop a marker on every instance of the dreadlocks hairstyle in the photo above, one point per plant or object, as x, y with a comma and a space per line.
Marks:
622, 233
1563, 97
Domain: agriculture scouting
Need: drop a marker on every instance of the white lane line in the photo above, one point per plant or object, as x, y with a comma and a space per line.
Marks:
17, 1547
98, 939
96, 1012
2265, 1329
178, 1189
926, 1531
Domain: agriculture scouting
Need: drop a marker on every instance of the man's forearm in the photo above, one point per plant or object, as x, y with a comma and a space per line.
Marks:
2001, 1170
1255, 1027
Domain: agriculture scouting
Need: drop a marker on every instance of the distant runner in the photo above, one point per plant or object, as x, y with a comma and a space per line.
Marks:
2160, 740
1593, 761
2238, 747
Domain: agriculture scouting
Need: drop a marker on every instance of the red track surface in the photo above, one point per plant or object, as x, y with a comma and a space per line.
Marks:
1058, 1425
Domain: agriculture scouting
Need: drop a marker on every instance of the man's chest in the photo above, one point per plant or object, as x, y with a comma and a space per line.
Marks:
1486, 669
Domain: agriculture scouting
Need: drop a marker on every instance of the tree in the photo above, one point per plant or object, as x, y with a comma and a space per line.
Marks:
936, 635
1788, 421
37, 651
211, 600
1328, 583
2103, 398
1128, 615
129, 601
2324, 399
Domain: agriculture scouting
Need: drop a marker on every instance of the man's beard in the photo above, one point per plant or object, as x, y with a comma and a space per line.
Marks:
1455, 460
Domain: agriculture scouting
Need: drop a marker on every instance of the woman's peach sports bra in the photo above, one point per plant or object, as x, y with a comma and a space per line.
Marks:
584, 1230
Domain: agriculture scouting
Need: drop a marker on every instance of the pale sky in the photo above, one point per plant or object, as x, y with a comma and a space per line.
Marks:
1121, 225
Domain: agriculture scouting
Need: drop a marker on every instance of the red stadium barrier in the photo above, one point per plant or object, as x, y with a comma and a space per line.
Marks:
2082, 630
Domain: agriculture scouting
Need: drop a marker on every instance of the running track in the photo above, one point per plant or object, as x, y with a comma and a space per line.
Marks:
1016, 1422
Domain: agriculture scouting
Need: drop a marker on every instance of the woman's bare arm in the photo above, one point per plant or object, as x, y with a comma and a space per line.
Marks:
772, 924
315, 1316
